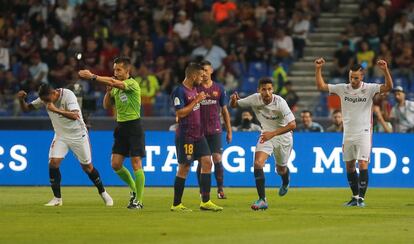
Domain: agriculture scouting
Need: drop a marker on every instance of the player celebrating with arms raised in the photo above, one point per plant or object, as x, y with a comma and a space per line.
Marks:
278, 122
356, 102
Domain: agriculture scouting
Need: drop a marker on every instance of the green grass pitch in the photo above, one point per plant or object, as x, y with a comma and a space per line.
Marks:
304, 215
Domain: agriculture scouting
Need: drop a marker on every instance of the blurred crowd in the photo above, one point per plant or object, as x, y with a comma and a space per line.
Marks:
50, 40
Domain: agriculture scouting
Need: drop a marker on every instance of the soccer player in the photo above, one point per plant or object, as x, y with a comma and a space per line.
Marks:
356, 103
190, 142
210, 119
129, 138
70, 133
278, 123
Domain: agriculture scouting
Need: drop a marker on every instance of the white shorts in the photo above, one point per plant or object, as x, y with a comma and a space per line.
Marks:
80, 147
281, 147
357, 147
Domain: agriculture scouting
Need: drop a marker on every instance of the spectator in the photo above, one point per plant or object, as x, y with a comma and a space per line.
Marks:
402, 114
279, 76
183, 27
300, 27
222, 10
365, 56
343, 60
247, 123
148, 83
65, 14
212, 53
282, 49
307, 123
403, 27
39, 71
4, 57
290, 96
337, 123
380, 125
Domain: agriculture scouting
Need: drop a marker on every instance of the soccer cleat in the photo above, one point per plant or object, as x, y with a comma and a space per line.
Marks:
55, 202
221, 195
180, 208
360, 202
283, 190
133, 202
210, 206
107, 199
260, 204
353, 202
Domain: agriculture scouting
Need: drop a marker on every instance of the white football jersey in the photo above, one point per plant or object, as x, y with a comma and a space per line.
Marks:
64, 127
356, 106
274, 115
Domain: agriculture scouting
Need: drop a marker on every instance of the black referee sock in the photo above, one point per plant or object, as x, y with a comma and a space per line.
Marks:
285, 177
218, 173
55, 177
363, 182
353, 182
205, 182
199, 175
260, 182
179, 184
96, 180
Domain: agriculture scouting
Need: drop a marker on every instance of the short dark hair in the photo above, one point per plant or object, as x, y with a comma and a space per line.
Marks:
307, 111
345, 43
336, 111
122, 60
205, 62
356, 67
192, 67
44, 90
265, 80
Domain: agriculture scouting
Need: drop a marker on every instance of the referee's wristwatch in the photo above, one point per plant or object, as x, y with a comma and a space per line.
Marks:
94, 77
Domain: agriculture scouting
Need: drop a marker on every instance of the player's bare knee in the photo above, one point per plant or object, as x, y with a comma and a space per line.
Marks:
54, 163
258, 164
216, 158
281, 170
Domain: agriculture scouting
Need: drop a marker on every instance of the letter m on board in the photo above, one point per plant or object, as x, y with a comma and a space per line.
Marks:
334, 161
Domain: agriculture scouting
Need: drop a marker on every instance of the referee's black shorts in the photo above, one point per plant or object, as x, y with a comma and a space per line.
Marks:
129, 139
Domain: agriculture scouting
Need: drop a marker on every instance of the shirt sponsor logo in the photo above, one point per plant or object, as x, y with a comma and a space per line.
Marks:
208, 102
355, 99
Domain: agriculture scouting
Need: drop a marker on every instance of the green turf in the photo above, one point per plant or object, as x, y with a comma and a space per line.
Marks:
305, 215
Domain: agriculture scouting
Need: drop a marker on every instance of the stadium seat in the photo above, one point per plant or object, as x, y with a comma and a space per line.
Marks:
401, 81
249, 85
377, 80
258, 69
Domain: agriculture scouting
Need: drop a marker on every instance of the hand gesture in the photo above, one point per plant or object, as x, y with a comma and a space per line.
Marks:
382, 64
21, 95
86, 74
51, 107
200, 97
234, 97
319, 62
265, 136
108, 89
229, 137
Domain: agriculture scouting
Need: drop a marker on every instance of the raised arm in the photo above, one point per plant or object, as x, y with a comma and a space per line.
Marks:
73, 115
320, 83
233, 100
181, 113
26, 107
388, 85
105, 80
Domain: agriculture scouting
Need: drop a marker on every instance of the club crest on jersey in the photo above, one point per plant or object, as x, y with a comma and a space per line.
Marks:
176, 101
215, 94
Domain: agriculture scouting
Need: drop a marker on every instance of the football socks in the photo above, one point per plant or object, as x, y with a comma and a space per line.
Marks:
55, 177
124, 174
363, 182
353, 182
260, 182
139, 184
179, 184
96, 180
205, 183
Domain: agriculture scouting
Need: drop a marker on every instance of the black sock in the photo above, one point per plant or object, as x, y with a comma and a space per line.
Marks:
218, 172
205, 182
198, 175
55, 177
178, 190
353, 182
285, 178
96, 180
260, 182
363, 182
